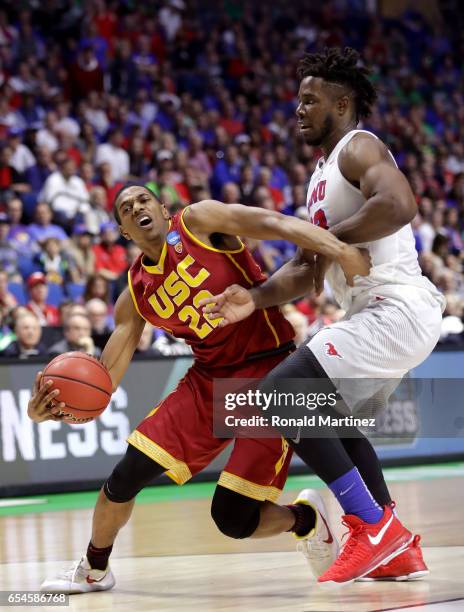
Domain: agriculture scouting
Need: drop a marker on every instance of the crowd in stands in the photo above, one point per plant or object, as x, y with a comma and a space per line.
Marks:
197, 99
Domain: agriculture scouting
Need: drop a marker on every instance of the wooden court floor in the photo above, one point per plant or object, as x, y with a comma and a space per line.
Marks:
171, 557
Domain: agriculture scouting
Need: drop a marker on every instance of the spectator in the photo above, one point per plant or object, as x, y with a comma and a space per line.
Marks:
97, 215
100, 321
97, 312
139, 164
230, 193
11, 181
81, 250
43, 227
85, 75
111, 152
55, 263
8, 253
264, 180
123, 71
65, 123
169, 346
7, 336
21, 156
18, 236
38, 293
110, 258
28, 335
97, 287
145, 345
108, 183
298, 321
7, 299
65, 191
37, 174
77, 337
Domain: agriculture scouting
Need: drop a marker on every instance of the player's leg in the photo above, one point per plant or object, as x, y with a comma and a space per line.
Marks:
112, 511
364, 457
255, 474
238, 516
327, 456
116, 501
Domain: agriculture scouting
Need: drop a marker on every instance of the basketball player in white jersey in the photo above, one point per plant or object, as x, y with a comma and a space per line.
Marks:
393, 315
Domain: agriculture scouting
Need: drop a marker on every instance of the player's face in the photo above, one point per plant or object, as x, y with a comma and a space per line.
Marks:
143, 218
314, 111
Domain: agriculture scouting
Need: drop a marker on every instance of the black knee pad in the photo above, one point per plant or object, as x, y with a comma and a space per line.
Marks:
302, 363
235, 515
134, 472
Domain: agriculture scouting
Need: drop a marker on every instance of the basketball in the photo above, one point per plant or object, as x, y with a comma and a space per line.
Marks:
84, 383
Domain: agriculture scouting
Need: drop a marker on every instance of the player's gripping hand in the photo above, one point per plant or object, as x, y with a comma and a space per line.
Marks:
354, 262
42, 405
234, 304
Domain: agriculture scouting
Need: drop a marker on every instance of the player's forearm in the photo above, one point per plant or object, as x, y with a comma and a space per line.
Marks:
117, 356
379, 217
291, 281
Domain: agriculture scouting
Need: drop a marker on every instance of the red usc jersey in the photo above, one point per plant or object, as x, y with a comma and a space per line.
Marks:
167, 296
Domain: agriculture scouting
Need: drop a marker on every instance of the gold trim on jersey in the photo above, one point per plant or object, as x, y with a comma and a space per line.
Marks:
271, 327
248, 488
131, 291
134, 300
177, 470
159, 267
280, 464
204, 245
239, 267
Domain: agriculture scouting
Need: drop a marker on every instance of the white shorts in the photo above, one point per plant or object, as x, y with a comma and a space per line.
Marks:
388, 337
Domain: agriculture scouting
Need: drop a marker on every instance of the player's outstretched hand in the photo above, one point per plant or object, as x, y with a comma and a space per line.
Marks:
42, 405
354, 262
234, 304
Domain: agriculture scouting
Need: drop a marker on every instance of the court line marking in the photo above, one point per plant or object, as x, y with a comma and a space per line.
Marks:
417, 605
196, 491
215, 554
6, 503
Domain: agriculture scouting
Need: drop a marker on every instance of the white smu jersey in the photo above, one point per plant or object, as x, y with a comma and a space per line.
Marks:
331, 199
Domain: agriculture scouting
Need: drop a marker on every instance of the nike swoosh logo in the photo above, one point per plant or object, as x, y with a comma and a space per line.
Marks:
298, 438
90, 580
330, 538
346, 490
375, 540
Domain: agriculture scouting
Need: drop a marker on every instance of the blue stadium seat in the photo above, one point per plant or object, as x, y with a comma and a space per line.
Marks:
55, 294
74, 291
27, 266
18, 290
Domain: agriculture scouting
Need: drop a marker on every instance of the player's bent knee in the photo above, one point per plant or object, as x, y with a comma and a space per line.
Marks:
134, 472
235, 515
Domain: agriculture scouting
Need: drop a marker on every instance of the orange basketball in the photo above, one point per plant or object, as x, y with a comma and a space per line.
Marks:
84, 383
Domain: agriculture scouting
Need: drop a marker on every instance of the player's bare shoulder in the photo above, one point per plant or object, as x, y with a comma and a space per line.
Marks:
197, 217
361, 153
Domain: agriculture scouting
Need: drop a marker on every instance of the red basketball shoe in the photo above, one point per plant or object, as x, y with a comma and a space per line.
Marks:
408, 565
368, 546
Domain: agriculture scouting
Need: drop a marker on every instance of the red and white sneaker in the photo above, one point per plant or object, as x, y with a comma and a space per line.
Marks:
408, 565
367, 546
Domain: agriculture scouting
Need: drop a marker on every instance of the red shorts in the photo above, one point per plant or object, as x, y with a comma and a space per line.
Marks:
178, 434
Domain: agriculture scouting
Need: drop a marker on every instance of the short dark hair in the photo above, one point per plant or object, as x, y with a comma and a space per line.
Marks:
123, 188
342, 67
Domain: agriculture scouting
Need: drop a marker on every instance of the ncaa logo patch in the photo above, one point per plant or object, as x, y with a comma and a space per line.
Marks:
332, 351
173, 238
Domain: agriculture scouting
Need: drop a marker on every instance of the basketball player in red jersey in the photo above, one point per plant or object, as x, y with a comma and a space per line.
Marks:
184, 260
393, 314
